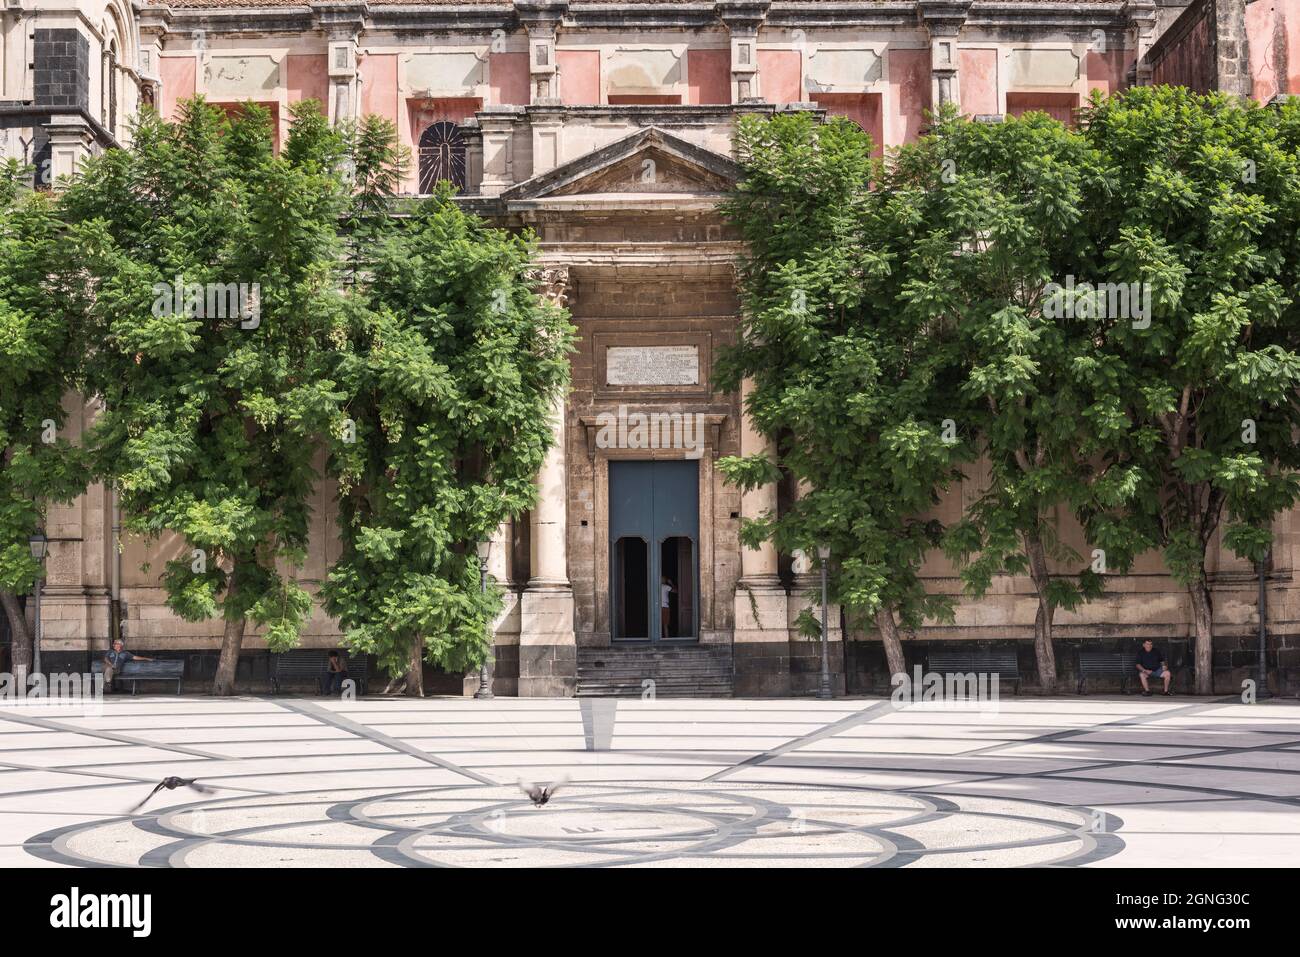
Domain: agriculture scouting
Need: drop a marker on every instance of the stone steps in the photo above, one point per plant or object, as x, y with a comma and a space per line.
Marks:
681, 671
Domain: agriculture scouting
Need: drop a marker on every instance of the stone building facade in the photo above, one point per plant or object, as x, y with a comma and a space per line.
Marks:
607, 129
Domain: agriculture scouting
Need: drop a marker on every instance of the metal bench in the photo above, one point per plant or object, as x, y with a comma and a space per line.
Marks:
1002, 662
1106, 664
137, 671
312, 663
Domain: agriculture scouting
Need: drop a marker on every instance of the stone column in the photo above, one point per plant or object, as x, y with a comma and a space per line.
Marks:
760, 647
1141, 18
503, 669
342, 24
75, 596
541, 18
943, 20
548, 650
743, 18
547, 123
805, 653
70, 143
498, 133
1231, 53
152, 25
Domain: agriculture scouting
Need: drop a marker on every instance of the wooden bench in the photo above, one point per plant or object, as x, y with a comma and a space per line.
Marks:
137, 671
1106, 664
1002, 662
1123, 664
312, 663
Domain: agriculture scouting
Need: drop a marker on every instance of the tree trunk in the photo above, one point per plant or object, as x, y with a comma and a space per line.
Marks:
893, 647
1203, 624
1044, 653
415, 677
22, 646
232, 640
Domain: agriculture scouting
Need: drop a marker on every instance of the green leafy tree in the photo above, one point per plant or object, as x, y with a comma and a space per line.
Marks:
851, 382
454, 366
1202, 206
214, 411
41, 345
1002, 207
376, 165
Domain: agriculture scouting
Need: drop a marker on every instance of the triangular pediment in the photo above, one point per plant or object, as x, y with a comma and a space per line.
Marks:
649, 160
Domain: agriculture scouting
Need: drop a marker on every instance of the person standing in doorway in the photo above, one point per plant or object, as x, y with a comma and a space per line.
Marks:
665, 593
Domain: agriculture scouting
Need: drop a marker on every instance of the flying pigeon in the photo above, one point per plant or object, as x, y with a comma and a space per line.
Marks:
171, 784
540, 796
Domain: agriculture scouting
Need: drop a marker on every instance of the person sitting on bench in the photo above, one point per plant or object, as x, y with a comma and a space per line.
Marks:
114, 659
1151, 663
335, 673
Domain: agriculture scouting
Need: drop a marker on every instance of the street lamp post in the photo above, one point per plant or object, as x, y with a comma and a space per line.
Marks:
1261, 690
824, 687
39, 545
484, 688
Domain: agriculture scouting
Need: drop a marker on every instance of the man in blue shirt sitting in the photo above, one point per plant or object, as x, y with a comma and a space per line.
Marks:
1151, 663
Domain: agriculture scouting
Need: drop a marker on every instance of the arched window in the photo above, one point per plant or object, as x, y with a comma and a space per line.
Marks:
442, 156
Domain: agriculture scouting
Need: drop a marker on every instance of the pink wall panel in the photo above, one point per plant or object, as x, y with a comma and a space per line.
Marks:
379, 91
780, 75
862, 108
978, 82
1059, 106
508, 73
1107, 71
709, 76
307, 78
1262, 30
1291, 27
579, 76
909, 87
424, 113
177, 74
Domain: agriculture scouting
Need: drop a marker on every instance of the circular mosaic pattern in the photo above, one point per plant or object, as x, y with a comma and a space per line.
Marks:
726, 824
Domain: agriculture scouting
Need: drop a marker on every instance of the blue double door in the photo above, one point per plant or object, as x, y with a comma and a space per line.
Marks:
654, 533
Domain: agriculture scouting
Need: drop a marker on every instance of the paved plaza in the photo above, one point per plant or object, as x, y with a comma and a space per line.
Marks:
308, 782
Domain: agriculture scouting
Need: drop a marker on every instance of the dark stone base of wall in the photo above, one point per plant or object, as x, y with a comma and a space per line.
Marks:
761, 669
503, 676
548, 671
784, 668
1235, 660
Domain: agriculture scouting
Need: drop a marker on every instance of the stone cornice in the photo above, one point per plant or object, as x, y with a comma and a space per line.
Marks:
1045, 16
344, 17
943, 18
483, 18
742, 14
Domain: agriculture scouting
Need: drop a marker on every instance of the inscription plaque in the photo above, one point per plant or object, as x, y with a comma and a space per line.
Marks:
652, 365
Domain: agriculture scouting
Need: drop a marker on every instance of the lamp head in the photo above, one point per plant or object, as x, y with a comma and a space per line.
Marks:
39, 544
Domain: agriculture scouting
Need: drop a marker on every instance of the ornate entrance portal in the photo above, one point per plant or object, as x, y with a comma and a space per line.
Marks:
654, 531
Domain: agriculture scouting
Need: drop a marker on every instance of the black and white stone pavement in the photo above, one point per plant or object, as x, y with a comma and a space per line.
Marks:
1086, 782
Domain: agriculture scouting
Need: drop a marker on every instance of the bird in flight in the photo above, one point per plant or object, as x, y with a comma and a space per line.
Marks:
171, 784
540, 795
